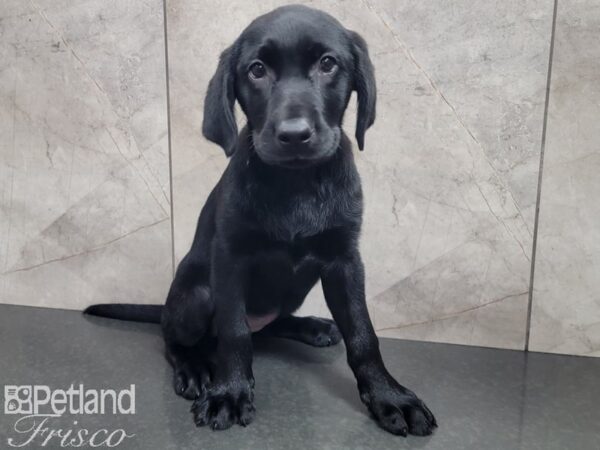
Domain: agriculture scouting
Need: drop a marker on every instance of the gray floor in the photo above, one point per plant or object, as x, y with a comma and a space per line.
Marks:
306, 397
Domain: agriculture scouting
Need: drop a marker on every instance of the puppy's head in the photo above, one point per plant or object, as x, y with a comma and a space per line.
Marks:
292, 72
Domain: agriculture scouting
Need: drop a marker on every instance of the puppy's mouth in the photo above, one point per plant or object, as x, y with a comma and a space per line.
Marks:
296, 163
300, 158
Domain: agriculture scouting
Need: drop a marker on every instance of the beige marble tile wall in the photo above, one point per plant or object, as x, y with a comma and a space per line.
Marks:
450, 168
566, 296
450, 171
84, 173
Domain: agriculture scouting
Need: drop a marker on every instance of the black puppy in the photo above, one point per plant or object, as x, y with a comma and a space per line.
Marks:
286, 213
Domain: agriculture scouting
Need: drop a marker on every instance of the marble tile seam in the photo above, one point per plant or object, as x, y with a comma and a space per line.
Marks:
540, 176
169, 142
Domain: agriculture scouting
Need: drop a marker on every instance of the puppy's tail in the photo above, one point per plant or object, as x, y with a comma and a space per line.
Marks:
130, 312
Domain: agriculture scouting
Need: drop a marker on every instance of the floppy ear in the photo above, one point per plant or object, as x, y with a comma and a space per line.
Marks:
364, 85
219, 124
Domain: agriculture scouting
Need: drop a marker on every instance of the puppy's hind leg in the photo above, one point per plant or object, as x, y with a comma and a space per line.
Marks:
314, 331
186, 322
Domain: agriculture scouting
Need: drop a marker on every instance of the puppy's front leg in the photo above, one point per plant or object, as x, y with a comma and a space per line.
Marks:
395, 408
229, 398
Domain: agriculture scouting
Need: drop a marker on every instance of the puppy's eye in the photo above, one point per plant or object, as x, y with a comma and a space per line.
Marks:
327, 64
257, 70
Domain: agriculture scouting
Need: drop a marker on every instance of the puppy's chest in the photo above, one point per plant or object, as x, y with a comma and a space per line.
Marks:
301, 215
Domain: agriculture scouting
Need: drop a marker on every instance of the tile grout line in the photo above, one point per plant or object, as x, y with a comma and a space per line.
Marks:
167, 84
540, 175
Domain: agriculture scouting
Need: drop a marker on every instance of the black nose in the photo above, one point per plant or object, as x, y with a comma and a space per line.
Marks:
294, 131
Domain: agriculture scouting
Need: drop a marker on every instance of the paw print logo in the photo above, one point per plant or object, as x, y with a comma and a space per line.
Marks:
17, 399
12, 406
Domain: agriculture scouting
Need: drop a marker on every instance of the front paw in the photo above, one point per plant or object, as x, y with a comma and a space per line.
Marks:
222, 405
398, 410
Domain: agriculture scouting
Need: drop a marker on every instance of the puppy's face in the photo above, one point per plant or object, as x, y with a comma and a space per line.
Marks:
292, 71
293, 81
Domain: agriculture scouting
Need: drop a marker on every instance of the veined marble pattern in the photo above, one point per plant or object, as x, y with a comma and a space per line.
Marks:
450, 167
84, 173
449, 172
566, 296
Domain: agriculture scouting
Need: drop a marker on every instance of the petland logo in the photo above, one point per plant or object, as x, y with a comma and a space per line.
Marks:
40, 408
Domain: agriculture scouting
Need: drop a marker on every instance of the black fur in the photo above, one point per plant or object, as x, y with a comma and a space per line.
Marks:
286, 213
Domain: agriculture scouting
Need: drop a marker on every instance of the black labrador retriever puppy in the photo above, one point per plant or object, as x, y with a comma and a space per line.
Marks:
286, 213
